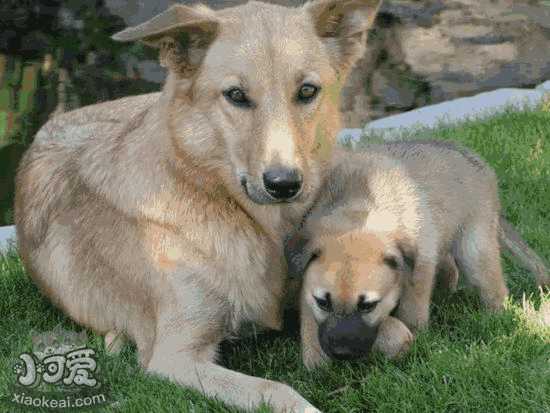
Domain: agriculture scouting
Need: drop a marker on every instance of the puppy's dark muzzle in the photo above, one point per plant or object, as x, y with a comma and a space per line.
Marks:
346, 337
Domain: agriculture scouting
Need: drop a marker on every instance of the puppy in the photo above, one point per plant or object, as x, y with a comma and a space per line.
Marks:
386, 223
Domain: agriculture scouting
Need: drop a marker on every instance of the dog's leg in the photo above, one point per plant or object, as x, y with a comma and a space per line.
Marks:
478, 256
189, 369
448, 274
414, 305
394, 339
185, 349
312, 354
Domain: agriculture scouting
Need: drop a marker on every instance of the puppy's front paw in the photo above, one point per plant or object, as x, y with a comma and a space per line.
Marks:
394, 338
313, 358
416, 318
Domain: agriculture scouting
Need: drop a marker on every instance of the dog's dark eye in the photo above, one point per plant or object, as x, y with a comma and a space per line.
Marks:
391, 262
366, 306
324, 303
237, 97
307, 93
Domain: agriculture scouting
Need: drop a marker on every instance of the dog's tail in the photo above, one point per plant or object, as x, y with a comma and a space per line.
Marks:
511, 240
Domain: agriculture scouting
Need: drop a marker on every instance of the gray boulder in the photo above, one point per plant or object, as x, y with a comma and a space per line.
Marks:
425, 52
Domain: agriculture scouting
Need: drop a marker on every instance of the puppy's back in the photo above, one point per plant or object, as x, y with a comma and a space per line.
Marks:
445, 168
458, 186
436, 156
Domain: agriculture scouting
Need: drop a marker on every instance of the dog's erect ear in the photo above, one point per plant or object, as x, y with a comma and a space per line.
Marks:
183, 35
343, 25
298, 254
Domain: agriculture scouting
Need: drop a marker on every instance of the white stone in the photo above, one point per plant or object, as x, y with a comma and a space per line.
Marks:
349, 134
458, 110
7, 237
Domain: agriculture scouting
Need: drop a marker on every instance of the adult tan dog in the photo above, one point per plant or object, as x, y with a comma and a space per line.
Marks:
373, 240
162, 216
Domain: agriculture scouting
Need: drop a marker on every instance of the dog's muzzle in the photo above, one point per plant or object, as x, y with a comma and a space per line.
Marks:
347, 337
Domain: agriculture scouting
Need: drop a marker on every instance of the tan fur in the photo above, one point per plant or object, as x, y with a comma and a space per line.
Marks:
348, 266
131, 216
394, 338
429, 202
341, 261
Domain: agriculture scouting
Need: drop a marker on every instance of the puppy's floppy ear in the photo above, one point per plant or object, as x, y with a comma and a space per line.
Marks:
408, 252
298, 253
343, 25
183, 35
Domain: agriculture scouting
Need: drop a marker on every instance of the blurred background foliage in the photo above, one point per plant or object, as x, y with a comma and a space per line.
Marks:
56, 56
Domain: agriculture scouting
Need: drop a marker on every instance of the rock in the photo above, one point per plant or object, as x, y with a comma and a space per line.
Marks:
432, 51
7, 237
453, 111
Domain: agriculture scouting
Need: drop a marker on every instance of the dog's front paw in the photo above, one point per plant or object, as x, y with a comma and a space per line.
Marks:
284, 399
313, 358
416, 318
394, 338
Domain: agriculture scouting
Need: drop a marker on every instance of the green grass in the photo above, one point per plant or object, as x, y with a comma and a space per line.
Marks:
468, 361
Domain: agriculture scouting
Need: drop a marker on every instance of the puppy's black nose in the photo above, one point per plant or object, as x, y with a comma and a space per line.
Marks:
282, 183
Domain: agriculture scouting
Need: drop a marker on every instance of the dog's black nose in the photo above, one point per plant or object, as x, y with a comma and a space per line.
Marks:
282, 183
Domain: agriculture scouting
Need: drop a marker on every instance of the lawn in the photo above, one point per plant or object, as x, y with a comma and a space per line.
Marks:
468, 361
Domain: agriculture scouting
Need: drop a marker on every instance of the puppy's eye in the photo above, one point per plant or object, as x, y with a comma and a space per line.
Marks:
237, 97
366, 306
324, 303
391, 262
307, 93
